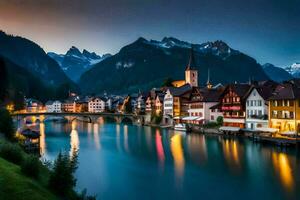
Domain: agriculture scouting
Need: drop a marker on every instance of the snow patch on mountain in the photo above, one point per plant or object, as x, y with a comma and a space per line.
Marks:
217, 48
294, 70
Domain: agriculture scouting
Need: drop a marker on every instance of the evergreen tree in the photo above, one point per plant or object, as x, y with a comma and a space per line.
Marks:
62, 180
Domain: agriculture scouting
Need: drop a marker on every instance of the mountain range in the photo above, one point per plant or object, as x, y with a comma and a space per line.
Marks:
140, 65
146, 63
31, 56
74, 63
277, 74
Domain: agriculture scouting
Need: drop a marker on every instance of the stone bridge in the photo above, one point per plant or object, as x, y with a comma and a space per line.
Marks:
88, 117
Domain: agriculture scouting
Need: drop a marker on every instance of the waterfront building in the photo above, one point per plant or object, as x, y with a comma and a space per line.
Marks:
200, 104
149, 104
53, 106
69, 105
96, 104
34, 106
141, 103
284, 109
233, 104
159, 104
257, 104
176, 102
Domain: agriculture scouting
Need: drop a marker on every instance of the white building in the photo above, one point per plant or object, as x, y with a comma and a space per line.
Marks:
202, 100
54, 106
168, 104
96, 104
257, 108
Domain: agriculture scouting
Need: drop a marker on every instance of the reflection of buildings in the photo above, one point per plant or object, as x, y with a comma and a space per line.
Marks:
159, 147
126, 138
74, 139
232, 154
42, 139
282, 166
178, 156
197, 149
96, 136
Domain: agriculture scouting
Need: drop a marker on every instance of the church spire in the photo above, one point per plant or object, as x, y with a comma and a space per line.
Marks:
208, 84
192, 62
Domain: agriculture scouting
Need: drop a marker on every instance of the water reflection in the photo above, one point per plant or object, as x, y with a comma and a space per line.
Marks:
178, 156
74, 141
96, 135
126, 146
199, 162
197, 148
42, 139
283, 168
159, 147
232, 154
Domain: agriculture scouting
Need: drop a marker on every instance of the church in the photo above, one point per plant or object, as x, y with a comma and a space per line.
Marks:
191, 74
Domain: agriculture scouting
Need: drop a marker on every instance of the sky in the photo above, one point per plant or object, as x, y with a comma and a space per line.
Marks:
268, 30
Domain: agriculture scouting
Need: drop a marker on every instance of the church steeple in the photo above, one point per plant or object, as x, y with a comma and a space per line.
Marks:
192, 63
208, 84
191, 73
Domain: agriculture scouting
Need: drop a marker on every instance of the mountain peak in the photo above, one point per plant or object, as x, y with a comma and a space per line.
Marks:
74, 51
90, 55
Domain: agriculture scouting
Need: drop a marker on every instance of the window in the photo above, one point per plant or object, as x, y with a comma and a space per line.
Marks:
247, 102
291, 103
212, 117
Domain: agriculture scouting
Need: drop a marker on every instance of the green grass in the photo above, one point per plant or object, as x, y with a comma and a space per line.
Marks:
16, 186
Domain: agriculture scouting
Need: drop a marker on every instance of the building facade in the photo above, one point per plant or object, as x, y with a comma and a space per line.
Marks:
233, 105
284, 109
53, 106
96, 105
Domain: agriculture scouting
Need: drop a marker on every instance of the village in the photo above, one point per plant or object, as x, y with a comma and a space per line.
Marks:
263, 107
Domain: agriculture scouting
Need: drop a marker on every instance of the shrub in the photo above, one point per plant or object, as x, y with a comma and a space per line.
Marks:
31, 166
220, 120
11, 152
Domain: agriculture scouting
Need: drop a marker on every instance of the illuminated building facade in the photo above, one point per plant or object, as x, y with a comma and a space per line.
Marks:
233, 105
284, 108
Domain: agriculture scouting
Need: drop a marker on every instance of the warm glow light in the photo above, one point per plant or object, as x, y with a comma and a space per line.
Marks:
177, 153
159, 147
96, 136
282, 166
42, 139
74, 139
231, 154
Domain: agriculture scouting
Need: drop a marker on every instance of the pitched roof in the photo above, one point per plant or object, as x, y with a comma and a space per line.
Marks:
211, 95
178, 91
286, 91
241, 89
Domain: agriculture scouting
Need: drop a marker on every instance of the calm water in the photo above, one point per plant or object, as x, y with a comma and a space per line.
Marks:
118, 161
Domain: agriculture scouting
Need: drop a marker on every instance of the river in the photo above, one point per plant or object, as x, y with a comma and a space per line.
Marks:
123, 161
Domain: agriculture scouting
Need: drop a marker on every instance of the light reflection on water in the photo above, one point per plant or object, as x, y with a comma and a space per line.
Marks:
194, 162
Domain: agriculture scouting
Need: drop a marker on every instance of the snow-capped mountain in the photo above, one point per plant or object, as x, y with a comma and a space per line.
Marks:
294, 70
218, 48
144, 64
74, 62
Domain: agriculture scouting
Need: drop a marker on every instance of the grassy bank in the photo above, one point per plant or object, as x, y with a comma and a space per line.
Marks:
14, 185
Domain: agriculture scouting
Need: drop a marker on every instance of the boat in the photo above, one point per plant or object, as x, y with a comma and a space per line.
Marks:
182, 127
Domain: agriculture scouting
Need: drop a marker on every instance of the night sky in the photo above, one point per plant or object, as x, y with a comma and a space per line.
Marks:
268, 30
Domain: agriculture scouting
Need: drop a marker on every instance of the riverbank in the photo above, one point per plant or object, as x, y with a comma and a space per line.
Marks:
16, 186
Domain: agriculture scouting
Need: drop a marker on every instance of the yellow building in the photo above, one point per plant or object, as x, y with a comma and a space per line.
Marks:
284, 109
